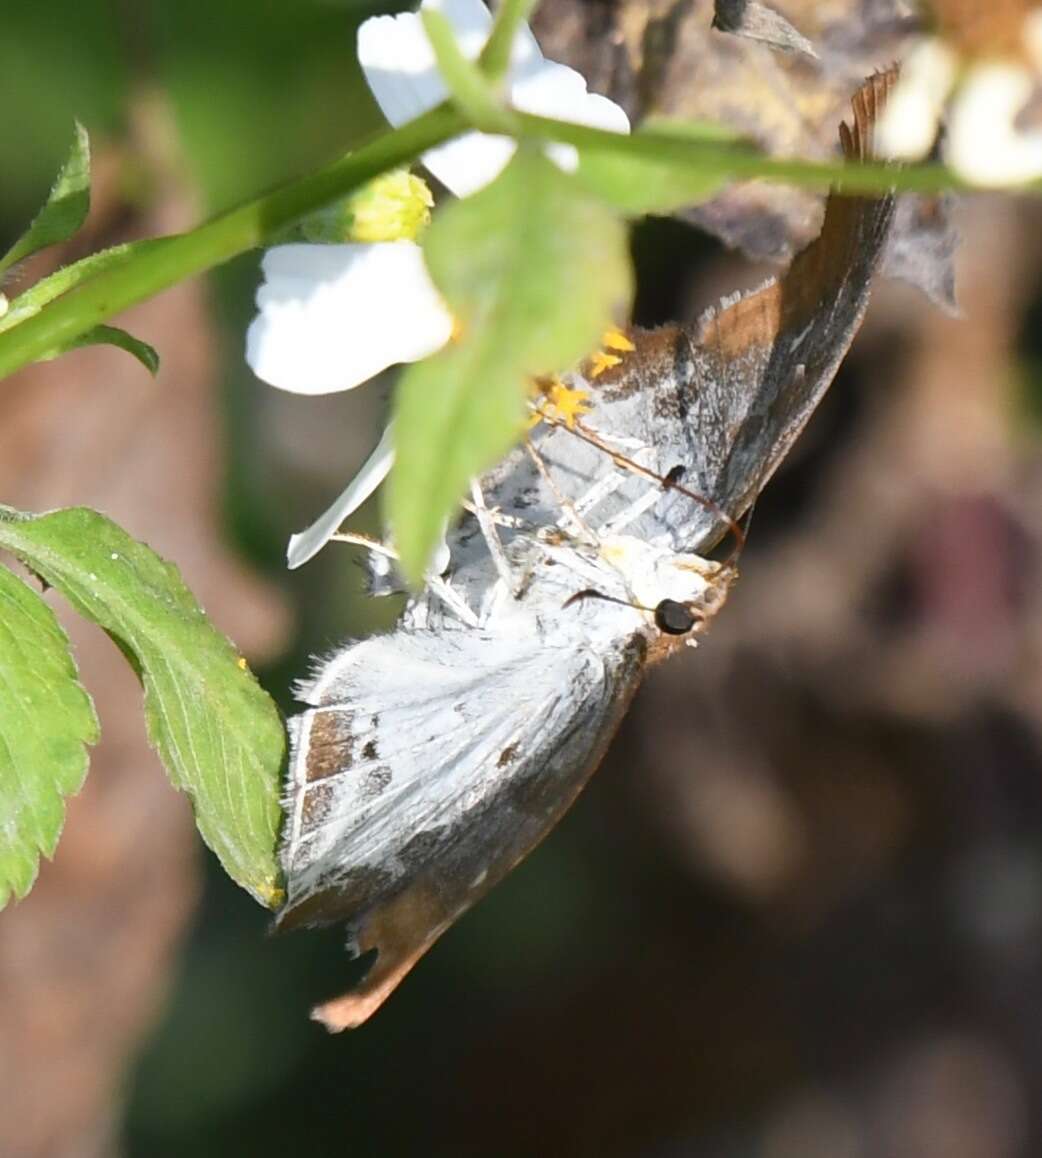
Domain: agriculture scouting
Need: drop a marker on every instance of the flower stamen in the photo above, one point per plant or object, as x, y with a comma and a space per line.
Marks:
615, 344
560, 402
615, 339
602, 361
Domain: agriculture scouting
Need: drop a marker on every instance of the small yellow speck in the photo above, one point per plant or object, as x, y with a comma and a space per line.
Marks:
615, 339
560, 402
394, 206
602, 361
568, 405
241, 662
273, 895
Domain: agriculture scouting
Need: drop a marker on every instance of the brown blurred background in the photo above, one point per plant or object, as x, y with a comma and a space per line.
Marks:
797, 913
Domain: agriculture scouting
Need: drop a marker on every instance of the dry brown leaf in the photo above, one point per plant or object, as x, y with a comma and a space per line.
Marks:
665, 58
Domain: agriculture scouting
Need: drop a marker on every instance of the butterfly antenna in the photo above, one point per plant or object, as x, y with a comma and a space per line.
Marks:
593, 593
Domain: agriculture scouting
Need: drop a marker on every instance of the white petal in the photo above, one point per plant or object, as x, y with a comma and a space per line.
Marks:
398, 61
908, 126
555, 90
332, 316
469, 163
984, 143
547, 89
442, 555
308, 543
399, 65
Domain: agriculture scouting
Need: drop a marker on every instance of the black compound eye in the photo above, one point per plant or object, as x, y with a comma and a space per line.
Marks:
673, 618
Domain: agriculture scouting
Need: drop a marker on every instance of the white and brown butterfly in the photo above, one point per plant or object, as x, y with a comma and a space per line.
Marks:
433, 758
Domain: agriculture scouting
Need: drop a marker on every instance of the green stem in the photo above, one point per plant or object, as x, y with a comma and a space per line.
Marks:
172, 259
495, 56
169, 260
473, 93
738, 160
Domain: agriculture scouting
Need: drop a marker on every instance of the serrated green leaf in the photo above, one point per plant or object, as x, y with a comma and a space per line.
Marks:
65, 209
46, 721
638, 185
534, 269
114, 336
29, 303
218, 733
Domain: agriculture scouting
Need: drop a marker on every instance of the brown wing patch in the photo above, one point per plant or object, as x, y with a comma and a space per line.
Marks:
329, 750
653, 360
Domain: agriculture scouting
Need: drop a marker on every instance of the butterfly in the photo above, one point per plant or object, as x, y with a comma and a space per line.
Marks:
431, 759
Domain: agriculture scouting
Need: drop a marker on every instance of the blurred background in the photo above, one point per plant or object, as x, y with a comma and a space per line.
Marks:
798, 912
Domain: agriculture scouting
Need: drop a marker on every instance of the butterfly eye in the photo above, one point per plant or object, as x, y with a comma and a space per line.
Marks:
673, 618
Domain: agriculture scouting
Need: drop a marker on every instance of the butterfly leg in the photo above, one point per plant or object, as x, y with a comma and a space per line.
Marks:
499, 518
570, 519
435, 583
491, 536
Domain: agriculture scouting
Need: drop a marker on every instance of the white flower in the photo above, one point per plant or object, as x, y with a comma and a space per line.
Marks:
399, 66
908, 126
308, 543
985, 144
332, 316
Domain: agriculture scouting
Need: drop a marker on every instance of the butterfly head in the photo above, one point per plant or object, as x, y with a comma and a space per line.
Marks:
674, 595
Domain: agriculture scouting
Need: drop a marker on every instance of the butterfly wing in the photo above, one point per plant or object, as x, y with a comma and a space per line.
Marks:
431, 761
761, 365
426, 767
725, 402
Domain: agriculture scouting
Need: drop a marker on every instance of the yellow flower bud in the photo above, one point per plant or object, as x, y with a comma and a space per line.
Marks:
393, 207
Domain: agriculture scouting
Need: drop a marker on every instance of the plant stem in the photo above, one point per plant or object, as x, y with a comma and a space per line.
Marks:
166, 261
172, 259
495, 56
738, 160
473, 93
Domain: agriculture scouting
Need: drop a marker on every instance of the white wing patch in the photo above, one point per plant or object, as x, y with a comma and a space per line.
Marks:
428, 765
401, 722
407, 727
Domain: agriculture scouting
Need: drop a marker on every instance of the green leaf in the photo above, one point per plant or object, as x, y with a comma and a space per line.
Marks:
534, 269
66, 207
29, 303
218, 733
637, 185
34, 299
46, 720
471, 92
114, 336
